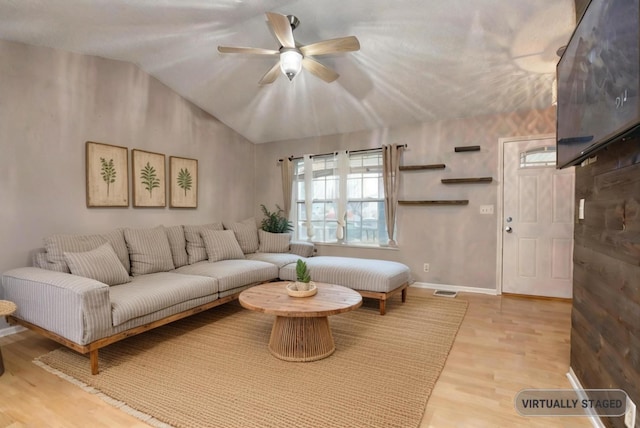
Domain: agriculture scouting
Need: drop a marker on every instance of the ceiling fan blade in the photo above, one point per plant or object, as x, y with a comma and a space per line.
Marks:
325, 73
282, 29
342, 44
271, 75
252, 51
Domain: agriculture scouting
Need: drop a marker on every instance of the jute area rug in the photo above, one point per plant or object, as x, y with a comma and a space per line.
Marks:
213, 369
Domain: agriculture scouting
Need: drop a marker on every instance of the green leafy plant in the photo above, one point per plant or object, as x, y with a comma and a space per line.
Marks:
275, 222
108, 172
149, 178
185, 181
302, 272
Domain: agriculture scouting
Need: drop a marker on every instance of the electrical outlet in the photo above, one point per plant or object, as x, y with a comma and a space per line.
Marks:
486, 209
426, 267
630, 416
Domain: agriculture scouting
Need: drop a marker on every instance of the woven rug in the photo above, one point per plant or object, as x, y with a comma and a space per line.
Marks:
213, 369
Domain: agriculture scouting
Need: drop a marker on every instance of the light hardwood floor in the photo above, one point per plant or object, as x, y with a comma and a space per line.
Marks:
505, 344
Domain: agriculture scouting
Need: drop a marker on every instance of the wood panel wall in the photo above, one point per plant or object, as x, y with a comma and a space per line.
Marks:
605, 332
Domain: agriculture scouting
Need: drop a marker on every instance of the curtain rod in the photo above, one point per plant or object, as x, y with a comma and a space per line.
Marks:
348, 151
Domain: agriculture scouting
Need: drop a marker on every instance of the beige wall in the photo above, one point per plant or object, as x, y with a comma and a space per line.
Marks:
457, 241
52, 102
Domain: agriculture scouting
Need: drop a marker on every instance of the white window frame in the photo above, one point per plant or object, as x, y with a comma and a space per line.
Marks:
356, 232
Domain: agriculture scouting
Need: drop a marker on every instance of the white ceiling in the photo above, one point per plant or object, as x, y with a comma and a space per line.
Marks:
420, 60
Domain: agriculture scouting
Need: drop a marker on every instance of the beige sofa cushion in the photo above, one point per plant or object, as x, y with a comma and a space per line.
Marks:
246, 233
149, 250
195, 245
56, 245
221, 245
233, 275
178, 245
101, 264
274, 242
359, 274
278, 259
147, 294
302, 248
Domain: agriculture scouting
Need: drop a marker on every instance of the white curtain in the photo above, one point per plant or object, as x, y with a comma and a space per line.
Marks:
391, 155
286, 169
308, 193
343, 172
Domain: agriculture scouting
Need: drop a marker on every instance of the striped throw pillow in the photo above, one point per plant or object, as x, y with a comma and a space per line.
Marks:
246, 233
56, 245
221, 245
274, 242
149, 250
101, 264
178, 245
195, 246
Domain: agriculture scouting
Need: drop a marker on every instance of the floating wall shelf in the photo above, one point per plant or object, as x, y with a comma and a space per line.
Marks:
420, 167
467, 149
438, 202
467, 180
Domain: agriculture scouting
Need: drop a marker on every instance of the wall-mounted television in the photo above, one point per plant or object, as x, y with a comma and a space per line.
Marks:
598, 81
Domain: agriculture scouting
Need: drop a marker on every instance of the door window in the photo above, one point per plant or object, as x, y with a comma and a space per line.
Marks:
538, 157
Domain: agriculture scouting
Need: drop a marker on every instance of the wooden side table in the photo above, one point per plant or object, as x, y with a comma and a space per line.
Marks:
6, 309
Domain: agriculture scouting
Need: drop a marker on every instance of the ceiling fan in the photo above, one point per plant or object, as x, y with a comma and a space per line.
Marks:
292, 56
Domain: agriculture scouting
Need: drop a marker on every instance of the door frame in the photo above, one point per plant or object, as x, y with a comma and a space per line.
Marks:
500, 203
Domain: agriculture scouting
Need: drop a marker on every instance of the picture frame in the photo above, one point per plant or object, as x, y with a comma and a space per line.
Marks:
107, 175
183, 182
149, 179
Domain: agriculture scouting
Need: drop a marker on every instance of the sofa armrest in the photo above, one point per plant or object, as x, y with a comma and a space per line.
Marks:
301, 248
71, 306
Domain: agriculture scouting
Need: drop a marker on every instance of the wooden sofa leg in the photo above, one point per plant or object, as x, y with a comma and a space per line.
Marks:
93, 357
404, 294
383, 306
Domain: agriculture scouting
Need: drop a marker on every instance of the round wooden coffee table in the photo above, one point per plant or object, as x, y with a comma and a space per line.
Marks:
301, 329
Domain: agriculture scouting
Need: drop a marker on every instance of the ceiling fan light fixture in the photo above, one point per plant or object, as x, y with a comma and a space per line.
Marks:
290, 62
294, 56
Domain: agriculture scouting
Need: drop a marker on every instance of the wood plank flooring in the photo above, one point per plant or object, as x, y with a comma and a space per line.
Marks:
505, 344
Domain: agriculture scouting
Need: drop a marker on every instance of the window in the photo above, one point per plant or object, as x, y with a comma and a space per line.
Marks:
540, 156
362, 199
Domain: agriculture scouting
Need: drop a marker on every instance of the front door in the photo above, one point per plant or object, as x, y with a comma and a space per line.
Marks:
537, 220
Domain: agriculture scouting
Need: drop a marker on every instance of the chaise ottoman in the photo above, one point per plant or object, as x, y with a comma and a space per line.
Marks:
377, 279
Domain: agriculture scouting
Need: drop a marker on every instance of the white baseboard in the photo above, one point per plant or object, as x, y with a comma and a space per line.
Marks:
458, 288
11, 330
576, 385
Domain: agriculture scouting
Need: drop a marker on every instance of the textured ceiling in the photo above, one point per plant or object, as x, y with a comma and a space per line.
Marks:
420, 60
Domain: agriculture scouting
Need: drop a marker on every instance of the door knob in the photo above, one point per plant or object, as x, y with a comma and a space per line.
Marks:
508, 229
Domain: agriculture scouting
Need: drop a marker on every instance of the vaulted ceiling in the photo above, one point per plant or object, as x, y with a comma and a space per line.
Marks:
420, 60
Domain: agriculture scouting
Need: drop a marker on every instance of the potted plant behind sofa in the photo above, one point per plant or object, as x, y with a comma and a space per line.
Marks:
275, 222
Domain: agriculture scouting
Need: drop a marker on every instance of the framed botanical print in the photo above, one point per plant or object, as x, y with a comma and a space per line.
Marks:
107, 177
183, 186
148, 175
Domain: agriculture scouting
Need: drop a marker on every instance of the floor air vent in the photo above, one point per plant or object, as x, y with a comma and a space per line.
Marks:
445, 293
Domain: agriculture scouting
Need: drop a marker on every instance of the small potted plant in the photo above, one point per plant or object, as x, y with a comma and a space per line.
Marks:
303, 277
303, 287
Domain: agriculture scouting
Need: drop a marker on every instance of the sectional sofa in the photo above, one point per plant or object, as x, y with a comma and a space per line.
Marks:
89, 291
